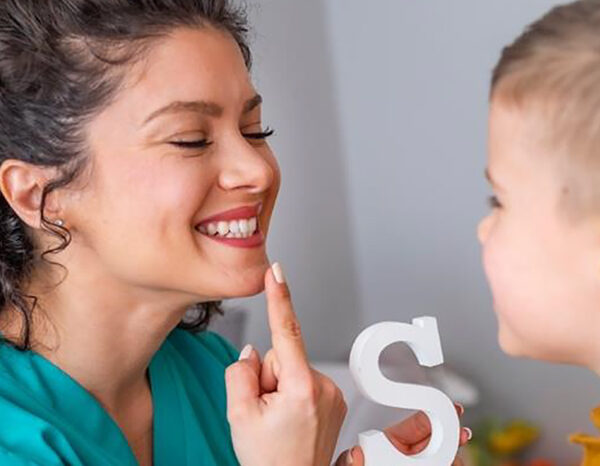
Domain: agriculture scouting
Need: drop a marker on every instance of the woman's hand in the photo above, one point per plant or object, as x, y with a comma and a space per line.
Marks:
410, 437
282, 412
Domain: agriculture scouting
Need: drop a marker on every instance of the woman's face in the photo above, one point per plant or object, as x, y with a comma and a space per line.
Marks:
178, 154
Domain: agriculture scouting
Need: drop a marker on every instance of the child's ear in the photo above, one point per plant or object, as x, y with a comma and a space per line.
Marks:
22, 186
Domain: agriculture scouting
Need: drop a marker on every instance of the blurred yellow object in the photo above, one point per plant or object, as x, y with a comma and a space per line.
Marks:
591, 456
515, 437
540, 462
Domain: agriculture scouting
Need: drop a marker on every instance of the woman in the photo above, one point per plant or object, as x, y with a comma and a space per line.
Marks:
137, 188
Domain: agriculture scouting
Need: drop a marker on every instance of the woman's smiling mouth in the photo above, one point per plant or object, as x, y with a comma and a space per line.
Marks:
237, 227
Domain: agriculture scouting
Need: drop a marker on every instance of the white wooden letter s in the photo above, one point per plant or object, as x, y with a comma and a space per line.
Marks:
424, 340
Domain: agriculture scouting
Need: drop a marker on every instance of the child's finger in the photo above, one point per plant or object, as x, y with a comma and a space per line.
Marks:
412, 435
358, 457
466, 435
410, 431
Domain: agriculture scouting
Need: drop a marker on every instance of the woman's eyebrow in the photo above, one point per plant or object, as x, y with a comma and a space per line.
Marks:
200, 106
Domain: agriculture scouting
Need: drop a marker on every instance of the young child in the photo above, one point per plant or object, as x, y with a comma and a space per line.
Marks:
541, 242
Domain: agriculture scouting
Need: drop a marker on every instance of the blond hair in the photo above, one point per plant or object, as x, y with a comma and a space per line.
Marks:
553, 68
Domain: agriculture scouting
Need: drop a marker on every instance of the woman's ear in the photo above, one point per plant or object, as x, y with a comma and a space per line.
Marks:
22, 185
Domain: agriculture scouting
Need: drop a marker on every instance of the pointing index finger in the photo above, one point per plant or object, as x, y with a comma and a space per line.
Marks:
286, 334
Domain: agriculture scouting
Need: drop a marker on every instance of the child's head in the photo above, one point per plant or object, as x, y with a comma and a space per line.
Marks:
541, 242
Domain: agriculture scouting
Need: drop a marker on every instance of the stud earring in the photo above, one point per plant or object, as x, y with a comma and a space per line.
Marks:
59, 223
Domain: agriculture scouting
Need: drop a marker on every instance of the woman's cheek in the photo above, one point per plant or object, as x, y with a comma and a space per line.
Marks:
273, 189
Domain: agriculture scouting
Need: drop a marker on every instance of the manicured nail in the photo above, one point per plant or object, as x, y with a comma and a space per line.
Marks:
245, 352
278, 273
469, 433
349, 459
461, 409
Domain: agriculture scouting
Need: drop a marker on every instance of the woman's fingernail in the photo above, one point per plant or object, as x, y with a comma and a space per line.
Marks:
245, 352
349, 459
469, 433
278, 273
461, 409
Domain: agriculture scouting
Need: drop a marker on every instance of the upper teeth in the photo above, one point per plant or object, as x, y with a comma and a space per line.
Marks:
233, 229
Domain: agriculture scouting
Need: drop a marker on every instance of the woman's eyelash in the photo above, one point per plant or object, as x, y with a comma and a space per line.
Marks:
260, 135
203, 143
494, 203
200, 144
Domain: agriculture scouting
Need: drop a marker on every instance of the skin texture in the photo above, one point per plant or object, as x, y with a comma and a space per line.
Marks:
297, 420
132, 216
542, 267
283, 393
410, 436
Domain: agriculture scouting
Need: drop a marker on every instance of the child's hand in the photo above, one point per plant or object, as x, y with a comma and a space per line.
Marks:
281, 411
410, 437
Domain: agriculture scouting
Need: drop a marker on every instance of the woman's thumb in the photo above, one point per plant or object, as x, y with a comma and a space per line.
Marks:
242, 381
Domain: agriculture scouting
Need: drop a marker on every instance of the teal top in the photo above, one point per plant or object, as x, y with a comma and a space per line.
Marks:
49, 419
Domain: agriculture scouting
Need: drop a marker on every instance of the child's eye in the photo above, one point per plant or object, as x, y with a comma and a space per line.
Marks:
494, 203
262, 135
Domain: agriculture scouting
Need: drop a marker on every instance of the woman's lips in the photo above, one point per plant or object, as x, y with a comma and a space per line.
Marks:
238, 213
237, 227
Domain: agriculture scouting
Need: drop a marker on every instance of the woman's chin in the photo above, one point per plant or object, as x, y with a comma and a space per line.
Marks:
248, 290
249, 284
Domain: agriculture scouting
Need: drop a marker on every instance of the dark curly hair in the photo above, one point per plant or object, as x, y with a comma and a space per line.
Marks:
61, 62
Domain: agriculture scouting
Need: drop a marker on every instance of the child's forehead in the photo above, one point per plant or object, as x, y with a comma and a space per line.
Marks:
528, 123
518, 150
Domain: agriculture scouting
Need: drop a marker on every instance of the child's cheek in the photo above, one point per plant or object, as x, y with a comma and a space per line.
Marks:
492, 266
499, 266
513, 262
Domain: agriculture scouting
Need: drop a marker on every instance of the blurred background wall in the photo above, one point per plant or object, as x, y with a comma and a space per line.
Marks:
380, 109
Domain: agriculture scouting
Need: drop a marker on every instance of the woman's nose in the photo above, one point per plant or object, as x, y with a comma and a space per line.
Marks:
246, 167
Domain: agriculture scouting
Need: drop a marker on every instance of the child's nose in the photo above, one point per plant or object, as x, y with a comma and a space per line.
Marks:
483, 229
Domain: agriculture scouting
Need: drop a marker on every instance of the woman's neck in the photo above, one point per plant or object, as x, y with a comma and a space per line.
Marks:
105, 341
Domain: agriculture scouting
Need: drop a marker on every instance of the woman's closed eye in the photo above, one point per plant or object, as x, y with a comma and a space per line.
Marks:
260, 135
204, 143
196, 144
